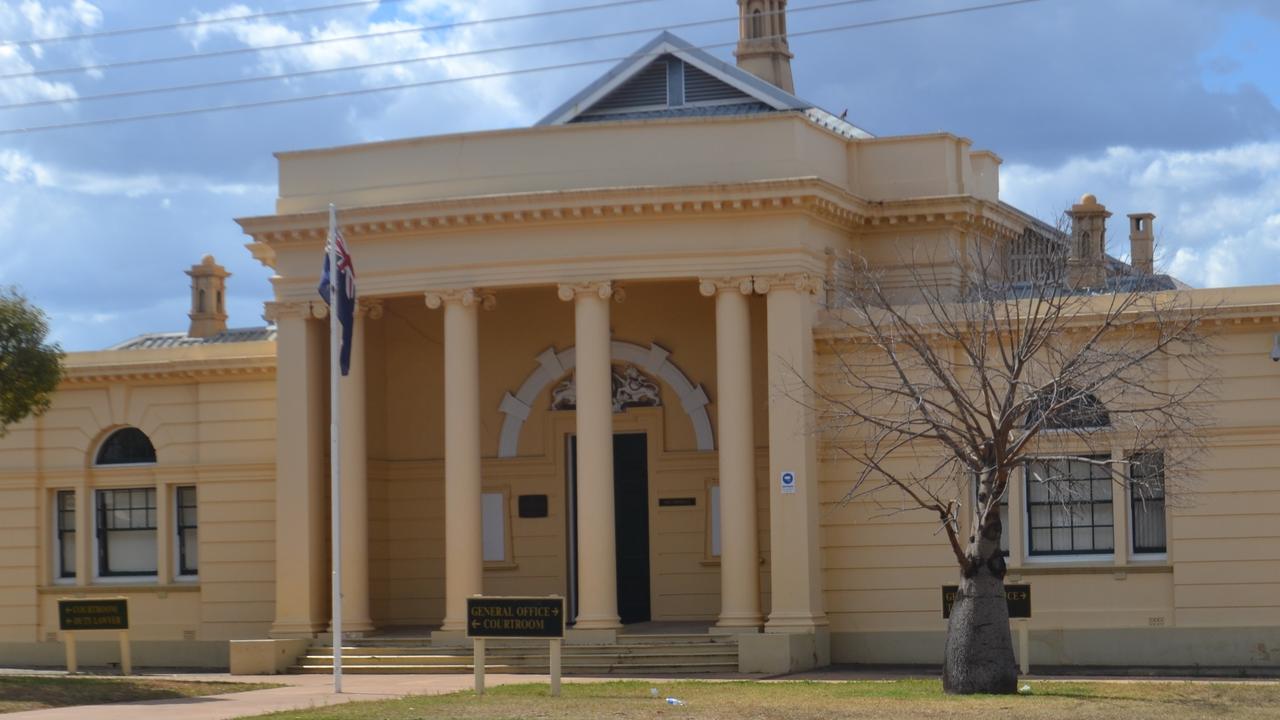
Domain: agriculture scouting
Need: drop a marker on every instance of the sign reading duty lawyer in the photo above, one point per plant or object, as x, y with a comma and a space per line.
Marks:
515, 617
107, 614
1018, 597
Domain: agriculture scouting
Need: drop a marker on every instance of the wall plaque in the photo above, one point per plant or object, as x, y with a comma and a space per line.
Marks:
677, 502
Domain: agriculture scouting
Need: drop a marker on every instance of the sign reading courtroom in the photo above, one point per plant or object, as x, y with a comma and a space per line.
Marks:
107, 614
515, 617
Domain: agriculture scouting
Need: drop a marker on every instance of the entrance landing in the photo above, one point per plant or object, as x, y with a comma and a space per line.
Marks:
642, 649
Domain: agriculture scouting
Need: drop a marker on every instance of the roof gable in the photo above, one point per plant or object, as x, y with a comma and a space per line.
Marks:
670, 75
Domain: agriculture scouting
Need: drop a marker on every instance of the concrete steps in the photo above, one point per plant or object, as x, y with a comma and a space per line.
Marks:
632, 655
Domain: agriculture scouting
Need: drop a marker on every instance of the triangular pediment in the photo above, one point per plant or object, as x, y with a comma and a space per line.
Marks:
668, 76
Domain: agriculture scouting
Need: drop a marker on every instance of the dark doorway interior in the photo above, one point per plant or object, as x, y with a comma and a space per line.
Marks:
631, 526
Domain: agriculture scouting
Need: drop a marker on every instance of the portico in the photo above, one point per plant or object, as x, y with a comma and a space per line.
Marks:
532, 307
719, 379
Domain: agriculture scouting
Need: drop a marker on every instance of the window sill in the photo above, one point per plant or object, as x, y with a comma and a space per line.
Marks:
101, 589
501, 565
1016, 574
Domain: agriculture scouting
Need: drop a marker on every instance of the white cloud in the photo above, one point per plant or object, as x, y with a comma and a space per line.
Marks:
396, 47
19, 168
1218, 210
30, 19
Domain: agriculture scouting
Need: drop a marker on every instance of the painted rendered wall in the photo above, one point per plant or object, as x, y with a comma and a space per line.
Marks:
883, 571
213, 431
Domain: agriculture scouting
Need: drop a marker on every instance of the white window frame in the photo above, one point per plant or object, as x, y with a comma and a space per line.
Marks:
176, 534
1101, 558
98, 577
1132, 529
57, 569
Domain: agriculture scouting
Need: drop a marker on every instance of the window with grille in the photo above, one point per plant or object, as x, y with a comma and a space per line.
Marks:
65, 509
1146, 497
126, 446
1069, 507
126, 531
187, 524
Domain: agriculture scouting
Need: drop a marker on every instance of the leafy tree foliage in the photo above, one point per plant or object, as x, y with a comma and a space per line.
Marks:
30, 367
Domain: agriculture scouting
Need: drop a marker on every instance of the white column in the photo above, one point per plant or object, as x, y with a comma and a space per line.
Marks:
301, 558
355, 481
796, 570
464, 557
739, 543
593, 377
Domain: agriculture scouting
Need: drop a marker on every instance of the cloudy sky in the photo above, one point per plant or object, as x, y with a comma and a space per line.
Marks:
1167, 106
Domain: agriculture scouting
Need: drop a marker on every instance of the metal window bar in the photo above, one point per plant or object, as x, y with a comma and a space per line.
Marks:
1146, 498
123, 511
187, 525
66, 531
1069, 508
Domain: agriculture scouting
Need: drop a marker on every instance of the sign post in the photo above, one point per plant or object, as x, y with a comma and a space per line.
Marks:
1019, 599
516, 618
78, 614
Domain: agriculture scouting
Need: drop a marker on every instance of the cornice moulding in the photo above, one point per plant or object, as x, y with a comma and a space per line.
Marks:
263, 367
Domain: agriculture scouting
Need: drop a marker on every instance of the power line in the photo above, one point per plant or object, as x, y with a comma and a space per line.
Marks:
320, 41
192, 23
386, 63
483, 76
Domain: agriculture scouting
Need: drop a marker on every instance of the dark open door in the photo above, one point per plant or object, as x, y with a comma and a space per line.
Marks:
631, 526
631, 515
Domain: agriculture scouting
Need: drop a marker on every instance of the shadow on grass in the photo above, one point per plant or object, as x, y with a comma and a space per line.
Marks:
31, 693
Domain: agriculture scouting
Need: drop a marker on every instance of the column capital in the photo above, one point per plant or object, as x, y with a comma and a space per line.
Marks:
371, 308
603, 289
466, 297
801, 282
710, 286
275, 311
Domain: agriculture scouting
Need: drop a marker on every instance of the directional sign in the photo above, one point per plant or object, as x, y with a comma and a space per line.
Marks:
105, 614
515, 617
1018, 597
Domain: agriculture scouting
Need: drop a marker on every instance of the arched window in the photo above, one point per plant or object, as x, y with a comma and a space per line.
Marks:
200, 302
757, 24
126, 446
1068, 409
220, 301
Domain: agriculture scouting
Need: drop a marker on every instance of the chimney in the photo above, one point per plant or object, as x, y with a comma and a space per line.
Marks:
208, 298
1142, 243
1087, 265
762, 42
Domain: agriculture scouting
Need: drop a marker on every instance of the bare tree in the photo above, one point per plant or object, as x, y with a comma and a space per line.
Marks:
961, 373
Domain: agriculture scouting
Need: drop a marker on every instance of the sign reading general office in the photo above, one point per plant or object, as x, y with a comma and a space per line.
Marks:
515, 617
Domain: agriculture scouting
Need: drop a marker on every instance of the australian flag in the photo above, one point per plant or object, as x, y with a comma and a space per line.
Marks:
346, 309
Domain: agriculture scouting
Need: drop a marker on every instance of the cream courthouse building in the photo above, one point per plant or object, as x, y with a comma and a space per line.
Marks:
573, 373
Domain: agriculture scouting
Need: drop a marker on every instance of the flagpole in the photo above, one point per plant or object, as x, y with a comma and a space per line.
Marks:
335, 435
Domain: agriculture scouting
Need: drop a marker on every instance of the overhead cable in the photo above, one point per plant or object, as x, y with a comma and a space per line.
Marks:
192, 23
482, 76
419, 29
407, 61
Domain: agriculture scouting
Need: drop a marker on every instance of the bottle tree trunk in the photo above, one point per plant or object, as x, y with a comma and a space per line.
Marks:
979, 651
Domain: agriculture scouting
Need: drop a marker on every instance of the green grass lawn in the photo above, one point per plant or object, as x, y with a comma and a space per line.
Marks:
19, 693
899, 699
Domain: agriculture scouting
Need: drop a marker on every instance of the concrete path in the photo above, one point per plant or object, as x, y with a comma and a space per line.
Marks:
301, 692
